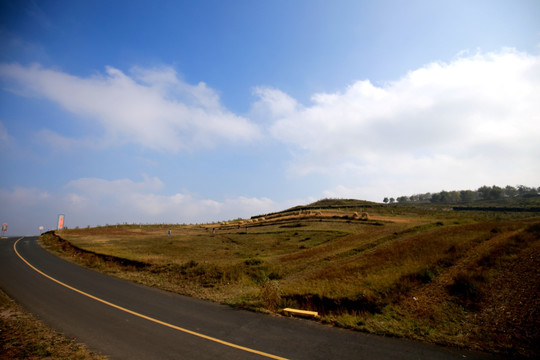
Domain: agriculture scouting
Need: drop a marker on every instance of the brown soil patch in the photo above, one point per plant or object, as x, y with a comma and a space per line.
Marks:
512, 313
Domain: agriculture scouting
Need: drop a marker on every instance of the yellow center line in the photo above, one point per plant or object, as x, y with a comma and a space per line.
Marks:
226, 343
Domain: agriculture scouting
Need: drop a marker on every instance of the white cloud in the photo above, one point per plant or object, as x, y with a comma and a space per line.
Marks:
126, 200
273, 103
102, 187
407, 175
246, 207
63, 143
473, 120
152, 107
24, 196
96, 201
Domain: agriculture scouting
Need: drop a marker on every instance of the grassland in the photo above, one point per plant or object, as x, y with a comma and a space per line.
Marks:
465, 279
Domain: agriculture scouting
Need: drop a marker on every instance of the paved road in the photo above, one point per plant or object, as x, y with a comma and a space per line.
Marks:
162, 325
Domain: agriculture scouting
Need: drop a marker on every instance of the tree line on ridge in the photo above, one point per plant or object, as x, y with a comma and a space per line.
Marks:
484, 193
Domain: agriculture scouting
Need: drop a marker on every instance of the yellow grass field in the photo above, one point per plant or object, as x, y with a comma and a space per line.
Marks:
468, 280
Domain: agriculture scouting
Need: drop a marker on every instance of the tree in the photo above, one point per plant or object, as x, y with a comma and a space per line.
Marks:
467, 196
523, 190
496, 193
392, 200
491, 193
453, 197
446, 197
385, 200
483, 192
510, 191
423, 197
402, 199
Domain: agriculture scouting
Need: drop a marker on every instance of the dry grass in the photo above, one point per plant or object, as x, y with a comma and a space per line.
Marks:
427, 276
24, 337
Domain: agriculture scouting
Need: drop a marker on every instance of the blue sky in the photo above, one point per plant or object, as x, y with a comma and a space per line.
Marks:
189, 112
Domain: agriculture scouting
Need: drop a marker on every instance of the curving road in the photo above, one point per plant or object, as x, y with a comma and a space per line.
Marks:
124, 320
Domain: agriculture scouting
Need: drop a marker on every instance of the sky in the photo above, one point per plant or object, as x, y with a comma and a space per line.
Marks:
148, 112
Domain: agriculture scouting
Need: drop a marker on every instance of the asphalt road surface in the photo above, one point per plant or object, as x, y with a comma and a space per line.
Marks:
124, 320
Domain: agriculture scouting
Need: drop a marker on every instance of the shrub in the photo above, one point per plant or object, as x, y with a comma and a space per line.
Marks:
270, 295
425, 275
466, 287
534, 229
250, 262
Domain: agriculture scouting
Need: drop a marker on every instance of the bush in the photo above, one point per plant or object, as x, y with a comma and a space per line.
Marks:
250, 262
270, 295
425, 275
466, 287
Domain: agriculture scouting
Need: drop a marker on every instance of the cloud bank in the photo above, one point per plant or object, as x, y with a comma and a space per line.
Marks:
475, 119
149, 107
142, 202
97, 201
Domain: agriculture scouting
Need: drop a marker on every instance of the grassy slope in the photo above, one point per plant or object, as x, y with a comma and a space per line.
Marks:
442, 277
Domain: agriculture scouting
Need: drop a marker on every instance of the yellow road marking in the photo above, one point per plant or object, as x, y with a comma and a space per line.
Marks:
144, 316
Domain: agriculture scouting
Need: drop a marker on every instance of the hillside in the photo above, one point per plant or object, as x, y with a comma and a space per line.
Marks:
467, 279
324, 204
